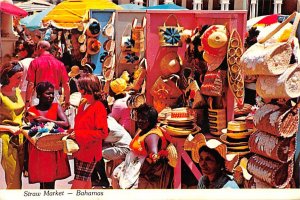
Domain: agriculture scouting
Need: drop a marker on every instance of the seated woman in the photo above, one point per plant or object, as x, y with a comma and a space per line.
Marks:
45, 167
150, 168
213, 163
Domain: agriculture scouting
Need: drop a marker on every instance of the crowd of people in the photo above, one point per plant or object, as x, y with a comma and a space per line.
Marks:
37, 88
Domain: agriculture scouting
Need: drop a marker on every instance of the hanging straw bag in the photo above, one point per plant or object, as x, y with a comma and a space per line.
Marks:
270, 146
138, 36
285, 86
170, 36
274, 173
214, 83
272, 58
126, 42
277, 121
194, 96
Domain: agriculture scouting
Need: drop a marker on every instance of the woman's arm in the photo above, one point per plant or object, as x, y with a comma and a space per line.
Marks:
15, 130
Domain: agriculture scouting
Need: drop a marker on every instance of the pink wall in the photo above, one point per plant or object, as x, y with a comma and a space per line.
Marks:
189, 20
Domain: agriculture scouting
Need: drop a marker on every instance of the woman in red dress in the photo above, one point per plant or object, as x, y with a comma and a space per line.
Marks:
45, 167
89, 131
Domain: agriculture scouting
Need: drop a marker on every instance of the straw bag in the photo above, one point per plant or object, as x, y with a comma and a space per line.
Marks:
170, 36
170, 64
214, 83
138, 36
285, 86
216, 121
273, 58
126, 42
70, 145
269, 146
280, 122
274, 173
139, 76
194, 96
165, 92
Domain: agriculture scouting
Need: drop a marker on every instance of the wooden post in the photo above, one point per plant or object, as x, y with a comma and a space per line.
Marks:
211, 4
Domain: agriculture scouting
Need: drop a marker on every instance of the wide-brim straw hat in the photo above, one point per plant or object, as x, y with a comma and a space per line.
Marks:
195, 143
93, 46
224, 139
237, 130
240, 172
177, 131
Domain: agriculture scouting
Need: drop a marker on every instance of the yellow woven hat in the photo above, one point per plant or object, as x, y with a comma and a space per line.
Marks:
118, 85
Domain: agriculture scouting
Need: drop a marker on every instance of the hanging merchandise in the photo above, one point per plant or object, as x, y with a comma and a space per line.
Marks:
108, 29
170, 64
214, 83
138, 36
93, 46
277, 121
170, 36
126, 42
214, 42
273, 58
270, 146
234, 73
274, 173
285, 86
93, 28
194, 96
165, 92
139, 76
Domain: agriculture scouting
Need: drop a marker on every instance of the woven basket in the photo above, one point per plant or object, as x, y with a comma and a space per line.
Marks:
285, 86
281, 122
216, 121
274, 173
275, 148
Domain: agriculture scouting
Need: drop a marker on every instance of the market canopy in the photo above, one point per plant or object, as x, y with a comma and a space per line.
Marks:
11, 9
34, 5
169, 6
131, 6
69, 14
34, 21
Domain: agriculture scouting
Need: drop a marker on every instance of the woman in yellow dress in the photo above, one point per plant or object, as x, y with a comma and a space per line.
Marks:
12, 109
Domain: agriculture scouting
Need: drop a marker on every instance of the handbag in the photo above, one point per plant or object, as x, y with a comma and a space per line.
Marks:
165, 92
138, 36
126, 42
139, 76
70, 145
194, 96
285, 86
129, 170
277, 121
170, 36
273, 58
214, 83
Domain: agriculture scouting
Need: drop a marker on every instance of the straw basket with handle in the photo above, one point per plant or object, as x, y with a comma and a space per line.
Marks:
285, 86
270, 59
170, 36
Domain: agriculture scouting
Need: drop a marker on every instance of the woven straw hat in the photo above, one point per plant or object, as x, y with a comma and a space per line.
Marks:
93, 46
118, 85
170, 63
195, 143
75, 70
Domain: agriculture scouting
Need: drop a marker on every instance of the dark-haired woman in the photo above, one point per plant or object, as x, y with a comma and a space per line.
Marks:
212, 166
12, 108
45, 167
148, 147
90, 130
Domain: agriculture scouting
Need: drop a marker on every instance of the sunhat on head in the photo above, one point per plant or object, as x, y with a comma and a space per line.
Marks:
118, 85
195, 143
93, 46
75, 70
89, 66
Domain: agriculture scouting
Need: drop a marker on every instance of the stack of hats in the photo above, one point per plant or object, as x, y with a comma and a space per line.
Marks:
181, 123
236, 137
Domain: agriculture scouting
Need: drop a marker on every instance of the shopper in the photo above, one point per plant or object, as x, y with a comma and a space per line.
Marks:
11, 115
89, 131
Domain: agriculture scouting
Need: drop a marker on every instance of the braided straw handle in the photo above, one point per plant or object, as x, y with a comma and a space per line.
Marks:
295, 25
169, 18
